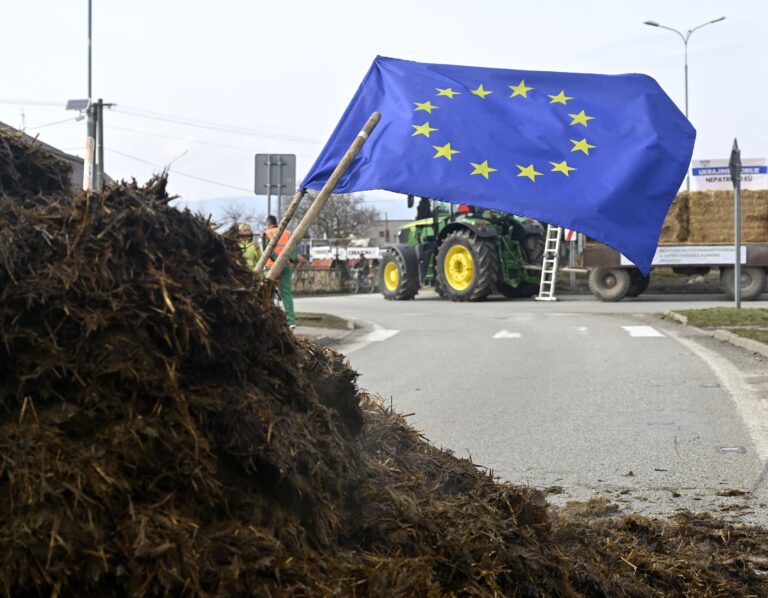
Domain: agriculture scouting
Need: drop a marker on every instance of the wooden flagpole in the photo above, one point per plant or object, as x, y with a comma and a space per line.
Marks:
280, 229
322, 197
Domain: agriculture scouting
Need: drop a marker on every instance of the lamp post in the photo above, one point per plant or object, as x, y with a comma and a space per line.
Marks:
685, 37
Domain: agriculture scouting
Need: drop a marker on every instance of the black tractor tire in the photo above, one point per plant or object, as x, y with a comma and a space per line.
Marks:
609, 284
533, 249
637, 283
485, 266
406, 284
752, 282
524, 289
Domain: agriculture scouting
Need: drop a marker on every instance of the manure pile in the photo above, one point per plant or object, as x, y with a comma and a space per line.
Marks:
703, 217
162, 433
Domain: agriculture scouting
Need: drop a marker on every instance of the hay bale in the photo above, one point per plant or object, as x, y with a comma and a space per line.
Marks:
706, 217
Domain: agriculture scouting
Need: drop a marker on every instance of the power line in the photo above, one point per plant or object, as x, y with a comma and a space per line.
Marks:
57, 122
188, 140
177, 138
222, 128
31, 102
186, 174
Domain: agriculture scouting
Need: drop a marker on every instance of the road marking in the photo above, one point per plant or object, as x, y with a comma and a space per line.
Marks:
582, 329
749, 403
642, 331
506, 334
378, 335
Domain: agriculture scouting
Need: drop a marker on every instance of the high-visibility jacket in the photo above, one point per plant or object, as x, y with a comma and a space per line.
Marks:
281, 243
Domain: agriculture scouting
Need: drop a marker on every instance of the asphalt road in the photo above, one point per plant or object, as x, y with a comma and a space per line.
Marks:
577, 397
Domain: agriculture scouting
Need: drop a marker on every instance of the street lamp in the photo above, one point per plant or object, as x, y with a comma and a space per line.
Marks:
685, 37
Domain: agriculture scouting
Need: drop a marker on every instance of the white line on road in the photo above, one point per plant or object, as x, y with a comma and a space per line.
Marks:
749, 403
506, 334
642, 331
378, 335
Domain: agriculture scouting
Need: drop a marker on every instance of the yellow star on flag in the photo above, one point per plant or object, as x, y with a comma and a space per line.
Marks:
424, 129
528, 171
560, 98
581, 146
480, 91
445, 151
428, 107
581, 118
447, 92
520, 89
562, 167
483, 169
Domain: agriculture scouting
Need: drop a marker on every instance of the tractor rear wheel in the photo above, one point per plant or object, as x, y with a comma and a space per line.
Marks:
524, 289
467, 266
395, 282
533, 248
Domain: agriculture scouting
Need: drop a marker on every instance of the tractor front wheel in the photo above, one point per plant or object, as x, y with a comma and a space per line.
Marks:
468, 266
395, 282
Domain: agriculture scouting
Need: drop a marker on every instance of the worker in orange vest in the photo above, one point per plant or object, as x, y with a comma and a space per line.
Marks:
286, 277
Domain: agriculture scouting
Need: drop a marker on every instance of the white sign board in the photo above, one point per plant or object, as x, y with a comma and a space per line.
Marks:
713, 175
344, 253
693, 255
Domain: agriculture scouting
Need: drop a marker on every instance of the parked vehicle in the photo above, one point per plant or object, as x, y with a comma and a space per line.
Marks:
464, 253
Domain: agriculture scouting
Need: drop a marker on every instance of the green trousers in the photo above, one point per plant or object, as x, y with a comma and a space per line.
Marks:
286, 292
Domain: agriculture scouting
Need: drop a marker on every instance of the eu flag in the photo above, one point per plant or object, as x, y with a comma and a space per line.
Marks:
601, 154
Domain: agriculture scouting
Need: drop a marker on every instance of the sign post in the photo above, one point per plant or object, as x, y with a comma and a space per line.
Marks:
274, 174
735, 167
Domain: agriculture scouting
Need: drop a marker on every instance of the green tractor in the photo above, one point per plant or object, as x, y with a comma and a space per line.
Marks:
465, 254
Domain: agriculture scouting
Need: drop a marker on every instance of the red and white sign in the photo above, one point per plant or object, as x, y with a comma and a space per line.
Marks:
569, 235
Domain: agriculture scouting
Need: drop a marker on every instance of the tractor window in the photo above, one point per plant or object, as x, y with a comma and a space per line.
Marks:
402, 236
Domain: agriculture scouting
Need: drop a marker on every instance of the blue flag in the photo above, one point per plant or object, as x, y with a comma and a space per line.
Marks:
601, 154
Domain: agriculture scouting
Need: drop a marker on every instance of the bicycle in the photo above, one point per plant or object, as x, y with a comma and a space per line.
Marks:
360, 281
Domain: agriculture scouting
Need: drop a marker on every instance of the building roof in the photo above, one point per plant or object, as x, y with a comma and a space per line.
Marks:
75, 161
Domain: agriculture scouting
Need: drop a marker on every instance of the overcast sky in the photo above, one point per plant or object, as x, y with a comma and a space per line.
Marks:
275, 76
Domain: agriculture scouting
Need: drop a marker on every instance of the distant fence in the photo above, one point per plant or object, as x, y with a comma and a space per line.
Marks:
316, 281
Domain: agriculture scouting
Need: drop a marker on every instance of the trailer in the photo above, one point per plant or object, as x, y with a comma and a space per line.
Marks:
613, 277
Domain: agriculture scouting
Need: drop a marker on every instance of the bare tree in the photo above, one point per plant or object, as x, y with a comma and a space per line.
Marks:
235, 213
343, 216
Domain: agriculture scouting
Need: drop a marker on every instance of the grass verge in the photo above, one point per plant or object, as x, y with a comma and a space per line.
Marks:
755, 335
726, 316
315, 320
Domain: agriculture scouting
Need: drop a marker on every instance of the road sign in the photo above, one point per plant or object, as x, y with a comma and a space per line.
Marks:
714, 175
569, 235
275, 174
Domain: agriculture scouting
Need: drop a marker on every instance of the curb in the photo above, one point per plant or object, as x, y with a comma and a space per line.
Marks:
329, 340
680, 318
724, 335
740, 341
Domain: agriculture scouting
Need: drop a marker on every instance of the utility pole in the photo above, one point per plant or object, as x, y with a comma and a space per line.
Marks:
99, 108
90, 137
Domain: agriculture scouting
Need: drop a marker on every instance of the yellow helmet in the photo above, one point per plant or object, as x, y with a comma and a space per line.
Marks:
244, 230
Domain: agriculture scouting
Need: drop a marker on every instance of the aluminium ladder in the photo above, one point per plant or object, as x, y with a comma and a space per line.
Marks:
549, 265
